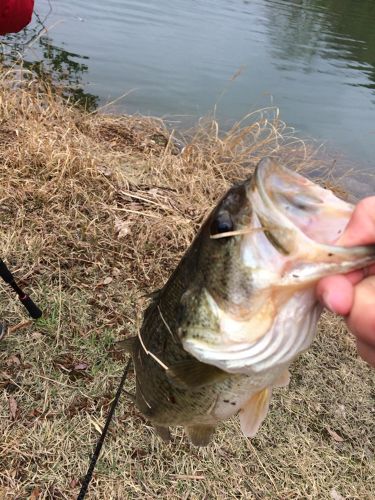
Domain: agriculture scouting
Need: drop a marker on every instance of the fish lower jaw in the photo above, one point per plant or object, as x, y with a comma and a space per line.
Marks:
291, 333
233, 336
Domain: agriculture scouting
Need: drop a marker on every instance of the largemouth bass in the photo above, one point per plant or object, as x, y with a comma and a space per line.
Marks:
240, 306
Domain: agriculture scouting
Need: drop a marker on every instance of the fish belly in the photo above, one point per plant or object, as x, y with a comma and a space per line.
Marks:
237, 392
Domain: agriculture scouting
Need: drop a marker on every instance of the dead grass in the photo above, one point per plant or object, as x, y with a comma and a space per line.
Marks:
95, 212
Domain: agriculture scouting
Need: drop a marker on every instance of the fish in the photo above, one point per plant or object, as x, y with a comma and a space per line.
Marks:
240, 306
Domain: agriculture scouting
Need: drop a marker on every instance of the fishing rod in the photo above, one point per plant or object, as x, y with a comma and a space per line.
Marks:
94, 458
25, 300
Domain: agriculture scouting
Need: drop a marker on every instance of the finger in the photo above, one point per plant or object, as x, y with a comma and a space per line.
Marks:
360, 231
336, 293
361, 227
356, 276
361, 320
367, 352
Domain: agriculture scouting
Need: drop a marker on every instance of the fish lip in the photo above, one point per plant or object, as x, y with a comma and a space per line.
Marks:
268, 211
264, 169
257, 179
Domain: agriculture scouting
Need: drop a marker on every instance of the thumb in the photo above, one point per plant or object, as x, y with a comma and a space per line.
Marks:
336, 293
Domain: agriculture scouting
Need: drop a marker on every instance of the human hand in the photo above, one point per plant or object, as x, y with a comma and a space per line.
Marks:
353, 295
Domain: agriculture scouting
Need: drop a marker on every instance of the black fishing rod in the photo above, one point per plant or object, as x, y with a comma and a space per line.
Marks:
98, 447
31, 307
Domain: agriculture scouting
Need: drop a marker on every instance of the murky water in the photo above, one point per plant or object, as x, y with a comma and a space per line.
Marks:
314, 59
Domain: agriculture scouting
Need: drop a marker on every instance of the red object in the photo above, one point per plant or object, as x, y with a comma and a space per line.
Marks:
15, 15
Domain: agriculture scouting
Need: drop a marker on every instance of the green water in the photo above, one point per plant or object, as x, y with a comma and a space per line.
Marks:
314, 59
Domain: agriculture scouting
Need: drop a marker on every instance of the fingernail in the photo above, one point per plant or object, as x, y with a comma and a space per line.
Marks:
327, 300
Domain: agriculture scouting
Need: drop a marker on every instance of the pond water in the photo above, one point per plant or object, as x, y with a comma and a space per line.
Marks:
314, 59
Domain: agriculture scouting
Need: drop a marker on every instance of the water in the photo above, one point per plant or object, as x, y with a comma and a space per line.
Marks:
314, 59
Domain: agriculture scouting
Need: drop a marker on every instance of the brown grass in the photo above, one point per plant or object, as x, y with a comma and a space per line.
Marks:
95, 212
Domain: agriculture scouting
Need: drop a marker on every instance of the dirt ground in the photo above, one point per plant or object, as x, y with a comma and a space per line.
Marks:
95, 213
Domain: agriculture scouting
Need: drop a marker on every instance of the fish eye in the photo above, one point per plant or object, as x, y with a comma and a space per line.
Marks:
222, 223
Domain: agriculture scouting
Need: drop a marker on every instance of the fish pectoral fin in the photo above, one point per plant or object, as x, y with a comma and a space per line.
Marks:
163, 432
200, 435
126, 345
254, 412
192, 374
283, 380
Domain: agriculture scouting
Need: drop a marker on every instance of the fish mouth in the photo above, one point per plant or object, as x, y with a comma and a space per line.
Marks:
302, 221
300, 203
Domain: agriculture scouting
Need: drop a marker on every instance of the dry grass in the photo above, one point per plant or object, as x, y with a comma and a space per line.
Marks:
95, 212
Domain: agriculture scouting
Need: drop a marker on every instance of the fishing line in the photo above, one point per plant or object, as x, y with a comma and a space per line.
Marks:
87, 479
